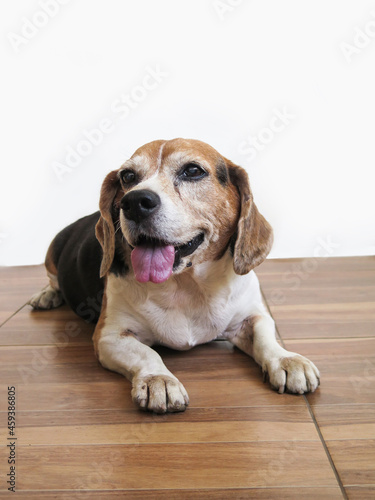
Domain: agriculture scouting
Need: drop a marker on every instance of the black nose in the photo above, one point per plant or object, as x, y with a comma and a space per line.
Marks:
140, 204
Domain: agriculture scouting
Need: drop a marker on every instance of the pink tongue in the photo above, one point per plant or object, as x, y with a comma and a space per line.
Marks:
152, 263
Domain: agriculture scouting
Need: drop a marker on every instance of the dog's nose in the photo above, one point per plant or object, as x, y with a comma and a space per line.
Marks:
140, 204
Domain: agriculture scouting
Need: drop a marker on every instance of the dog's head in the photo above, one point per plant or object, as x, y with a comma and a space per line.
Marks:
179, 203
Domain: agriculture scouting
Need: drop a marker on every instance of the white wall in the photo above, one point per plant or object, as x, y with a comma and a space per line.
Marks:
225, 74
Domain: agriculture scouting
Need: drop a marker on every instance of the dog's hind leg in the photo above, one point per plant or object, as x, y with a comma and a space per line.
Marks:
51, 296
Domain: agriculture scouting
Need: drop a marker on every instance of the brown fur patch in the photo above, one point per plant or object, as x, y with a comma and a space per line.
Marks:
248, 325
216, 201
292, 363
101, 322
150, 150
252, 320
127, 333
189, 146
244, 340
105, 228
50, 262
254, 234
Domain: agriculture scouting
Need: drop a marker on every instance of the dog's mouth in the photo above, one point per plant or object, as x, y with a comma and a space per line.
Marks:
154, 260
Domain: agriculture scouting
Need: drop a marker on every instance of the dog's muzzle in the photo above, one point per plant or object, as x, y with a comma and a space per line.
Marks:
153, 259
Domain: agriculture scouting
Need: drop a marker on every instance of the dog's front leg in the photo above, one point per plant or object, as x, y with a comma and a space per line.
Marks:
286, 370
154, 387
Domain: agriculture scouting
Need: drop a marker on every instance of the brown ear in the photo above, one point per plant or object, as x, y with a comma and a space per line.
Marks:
254, 234
105, 228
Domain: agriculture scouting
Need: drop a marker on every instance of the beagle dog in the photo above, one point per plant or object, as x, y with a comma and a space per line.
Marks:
169, 260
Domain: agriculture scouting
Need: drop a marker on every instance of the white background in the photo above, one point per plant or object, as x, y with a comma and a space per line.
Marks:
226, 75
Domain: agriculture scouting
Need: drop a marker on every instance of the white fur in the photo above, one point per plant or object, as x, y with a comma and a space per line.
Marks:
160, 154
49, 298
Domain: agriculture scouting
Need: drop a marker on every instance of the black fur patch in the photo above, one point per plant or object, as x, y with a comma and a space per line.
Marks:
119, 266
77, 256
222, 173
232, 243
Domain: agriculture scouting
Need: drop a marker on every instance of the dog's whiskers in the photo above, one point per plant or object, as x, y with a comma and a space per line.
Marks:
118, 227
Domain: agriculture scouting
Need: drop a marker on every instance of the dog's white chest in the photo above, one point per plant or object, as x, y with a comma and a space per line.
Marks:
182, 312
186, 321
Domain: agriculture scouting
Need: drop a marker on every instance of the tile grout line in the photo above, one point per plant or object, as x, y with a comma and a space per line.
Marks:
324, 444
211, 489
13, 314
322, 440
18, 310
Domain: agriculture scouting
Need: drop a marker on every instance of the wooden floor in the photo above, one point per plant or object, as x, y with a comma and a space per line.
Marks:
79, 436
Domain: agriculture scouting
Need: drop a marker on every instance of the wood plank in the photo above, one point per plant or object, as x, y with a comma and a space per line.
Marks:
293, 493
195, 426
289, 413
53, 327
49, 363
318, 292
334, 298
212, 465
17, 285
323, 264
339, 422
11, 277
70, 377
116, 395
292, 328
361, 492
286, 277
185, 432
355, 460
325, 312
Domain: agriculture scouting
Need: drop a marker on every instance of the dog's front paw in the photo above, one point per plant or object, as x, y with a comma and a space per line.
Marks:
160, 394
49, 298
292, 373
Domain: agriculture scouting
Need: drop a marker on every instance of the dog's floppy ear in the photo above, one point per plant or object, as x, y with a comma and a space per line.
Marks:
105, 228
254, 235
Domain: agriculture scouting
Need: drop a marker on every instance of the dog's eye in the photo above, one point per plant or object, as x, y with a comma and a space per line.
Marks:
193, 172
127, 176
